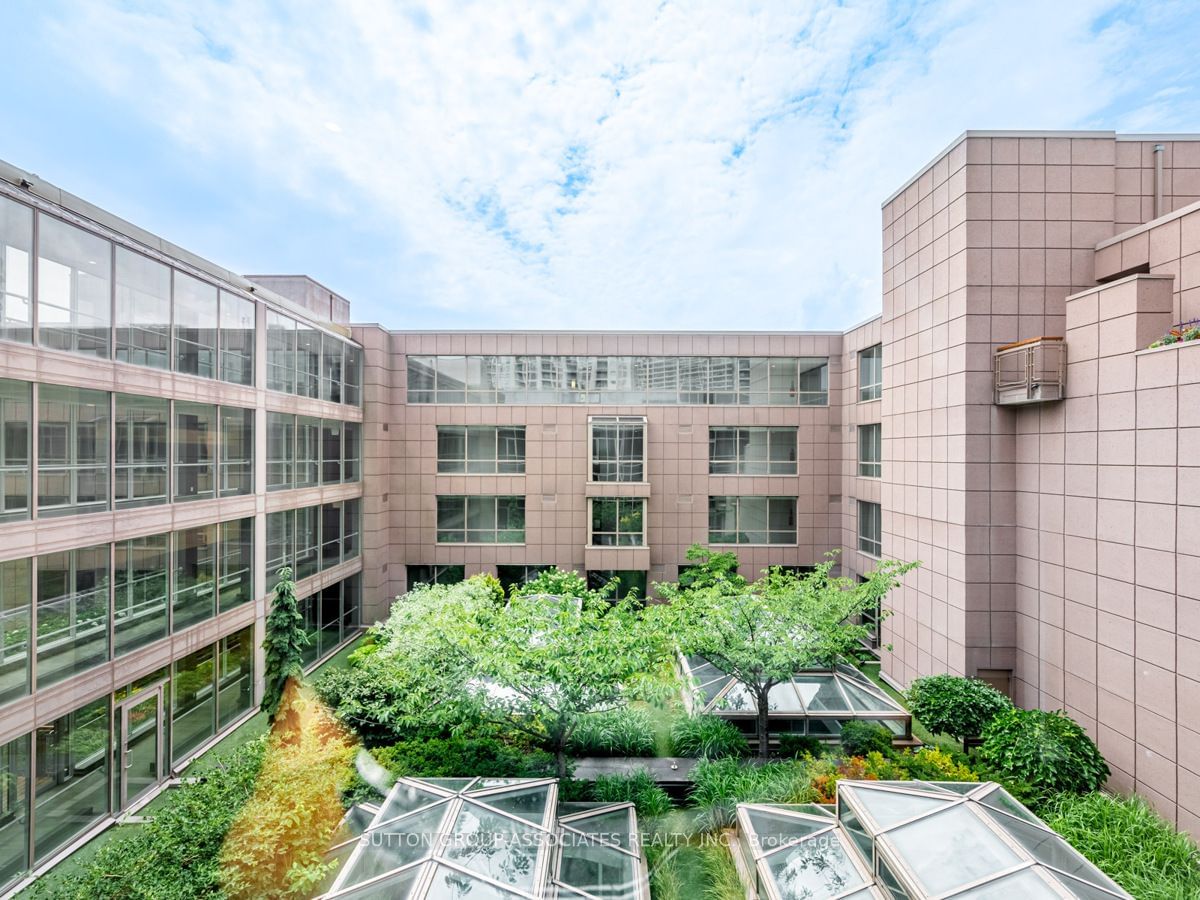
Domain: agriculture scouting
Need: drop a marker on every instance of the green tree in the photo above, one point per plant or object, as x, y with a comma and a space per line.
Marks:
709, 568
284, 642
776, 626
959, 707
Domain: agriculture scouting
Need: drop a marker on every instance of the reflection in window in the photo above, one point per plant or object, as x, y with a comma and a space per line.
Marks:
193, 706
72, 450
16, 277
281, 450
352, 376
870, 528
481, 520
16, 598
236, 677
331, 451
195, 326
331, 535
351, 451
481, 449
237, 339
308, 452
143, 310
195, 451
281, 352
74, 278
237, 563
752, 451
618, 522
331, 368
870, 450
308, 361
870, 373
281, 543
237, 451
141, 451
72, 612
618, 448
752, 520
14, 809
351, 527
194, 595
71, 784
15, 429
434, 575
140, 595
308, 542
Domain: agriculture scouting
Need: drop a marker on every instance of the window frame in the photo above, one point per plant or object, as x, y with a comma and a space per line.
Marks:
872, 357
454, 465
636, 538
740, 462
621, 463
869, 467
739, 502
872, 546
477, 505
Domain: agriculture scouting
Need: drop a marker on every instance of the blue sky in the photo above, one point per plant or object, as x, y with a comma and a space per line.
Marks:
706, 165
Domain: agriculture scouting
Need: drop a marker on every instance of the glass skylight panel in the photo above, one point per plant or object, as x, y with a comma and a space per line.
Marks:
814, 870
450, 884
950, 849
405, 798
783, 698
1000, 799
887, 808
821, 693
1047, 847
529, 804
396, 844
597, 869
493, 845
395, 887
1026, 884
773, 830
864, 700
614, 826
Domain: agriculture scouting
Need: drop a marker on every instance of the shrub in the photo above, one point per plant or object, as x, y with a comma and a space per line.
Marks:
1130, 842
707, 737
637, 788
860, 738
626, 731
872, 767
1047, 750
932, 764
959, 707
796, 745
719, 785
175, 854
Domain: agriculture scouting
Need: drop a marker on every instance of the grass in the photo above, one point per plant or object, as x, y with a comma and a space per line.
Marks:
721, 873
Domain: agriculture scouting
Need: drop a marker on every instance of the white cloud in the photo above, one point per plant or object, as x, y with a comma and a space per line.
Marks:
610, 164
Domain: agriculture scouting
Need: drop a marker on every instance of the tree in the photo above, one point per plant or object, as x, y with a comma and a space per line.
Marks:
284, 642
959, 707
709, 568
778, 625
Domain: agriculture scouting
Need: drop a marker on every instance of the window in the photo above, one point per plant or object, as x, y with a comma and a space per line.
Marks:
870, 450
16, 276
16, 426
308, 542
481, 520
308, 452
352, 373
194, 598
434, 575
351, 451
308, 361
783, 381
281, 450
71, 783
195, 326
481, 449
140, 595
515, 576
235, 685
74, 280
752, 451
193, 702
331, 451
618, 448
281, 353
72, 450
14, 809
331, 535
870, 528
618, 522
281, 543
72, 612
141, 451
143, 310
351, 528
16, 599
236, 574
195, 451
310, 614
237, 451
331, 368
870, 373
872, 617
628, 581
752, 520
237, 339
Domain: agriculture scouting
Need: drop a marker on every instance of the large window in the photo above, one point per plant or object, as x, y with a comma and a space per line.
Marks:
752, 520
16, 275
195, 451
237, 339
281, 450
308, 542
700, 380
14, 809
870, 528
16, 599
235, 687
481, 449
72, 450
303, 360
16, 426
140, 595
870, 450
330, 616
752, 451
308, 361
72, 779
870, 373
141, 451
281, 353
281, 542
331, 368
618, 448
434, 575
331, 535
481, 520
351, 528
73, 288
237, 451
618, 522
308, 452
331, 451
195, 326
351, 451
313, 538
72, 612
193, 702
352, 374
194, 595
236, 573
143, 310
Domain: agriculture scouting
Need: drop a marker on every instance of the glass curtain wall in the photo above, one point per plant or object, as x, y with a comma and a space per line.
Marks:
331, 451
308, 452
16, 427
308, 361
195, 326
237, 563
142, 426
16, 274
193, 702
141, 593
72, 440
16, 600
281, 353
195, 451
143, 310
14, 809
281, 450
72, 612
237, 339
194, 594
237, 451
71, 783
235, 688
73, 288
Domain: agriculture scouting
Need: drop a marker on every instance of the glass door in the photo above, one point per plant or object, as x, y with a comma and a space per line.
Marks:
141, 745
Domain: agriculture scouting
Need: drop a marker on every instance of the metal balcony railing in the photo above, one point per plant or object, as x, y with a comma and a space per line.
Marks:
1031, 371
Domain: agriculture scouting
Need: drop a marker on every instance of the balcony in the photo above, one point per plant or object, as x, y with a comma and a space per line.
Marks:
1031, 371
